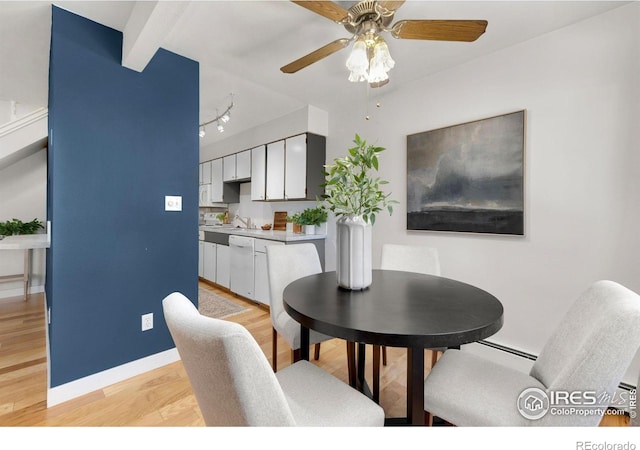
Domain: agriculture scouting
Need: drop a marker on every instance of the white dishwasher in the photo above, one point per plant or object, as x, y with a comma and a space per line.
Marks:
242, 269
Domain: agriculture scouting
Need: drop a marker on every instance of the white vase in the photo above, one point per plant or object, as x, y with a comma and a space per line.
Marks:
353, 252
309, 229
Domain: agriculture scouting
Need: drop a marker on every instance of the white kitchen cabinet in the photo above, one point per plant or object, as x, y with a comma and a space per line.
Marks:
205, 172
223, 265
209, 261
295, 175
201, 259
294, 168
229, 165
261, 280
243, 165
237, 167
275, 171
216, 181
258, 172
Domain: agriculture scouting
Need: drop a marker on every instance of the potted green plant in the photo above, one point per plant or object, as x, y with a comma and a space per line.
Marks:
15, 226
296, 220
355, 196
311, 218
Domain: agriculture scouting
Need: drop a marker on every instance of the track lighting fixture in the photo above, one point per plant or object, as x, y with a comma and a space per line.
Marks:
220, 119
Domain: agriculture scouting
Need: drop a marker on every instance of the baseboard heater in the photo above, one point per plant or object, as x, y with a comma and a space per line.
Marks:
529, 356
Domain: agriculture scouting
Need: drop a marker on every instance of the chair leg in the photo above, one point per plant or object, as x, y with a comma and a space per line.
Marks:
376, 373
384, 355
351, 363
428, 419
274, 349
296, 355
434, 357
316, 352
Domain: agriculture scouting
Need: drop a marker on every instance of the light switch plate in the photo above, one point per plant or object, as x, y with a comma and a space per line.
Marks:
172, 203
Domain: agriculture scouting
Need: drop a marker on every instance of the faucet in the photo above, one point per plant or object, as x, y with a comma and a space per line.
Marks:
247, 222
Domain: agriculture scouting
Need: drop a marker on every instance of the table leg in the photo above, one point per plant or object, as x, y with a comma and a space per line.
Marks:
304, 343
415, 386
27, 271
360, 368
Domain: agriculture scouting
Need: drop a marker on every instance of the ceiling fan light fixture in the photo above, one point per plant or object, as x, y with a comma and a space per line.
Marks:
358, 62
381, 63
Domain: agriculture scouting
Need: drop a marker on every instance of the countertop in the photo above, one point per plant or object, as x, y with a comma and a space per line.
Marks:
284, 236
25, 242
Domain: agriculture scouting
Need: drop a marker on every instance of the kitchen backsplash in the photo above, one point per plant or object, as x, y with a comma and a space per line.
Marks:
260, 212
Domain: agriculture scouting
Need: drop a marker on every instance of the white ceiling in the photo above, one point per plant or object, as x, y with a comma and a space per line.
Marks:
241, 45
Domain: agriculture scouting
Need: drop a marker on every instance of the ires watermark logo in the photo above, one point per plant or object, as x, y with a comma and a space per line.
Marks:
534, 403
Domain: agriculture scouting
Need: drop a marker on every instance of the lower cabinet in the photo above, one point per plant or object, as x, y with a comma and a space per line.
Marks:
261, 280
223, 265
214, 263
201, 259
209, 261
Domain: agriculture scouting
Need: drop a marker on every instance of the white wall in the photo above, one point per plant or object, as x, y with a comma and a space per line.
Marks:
23, 195
580, 89
307, 119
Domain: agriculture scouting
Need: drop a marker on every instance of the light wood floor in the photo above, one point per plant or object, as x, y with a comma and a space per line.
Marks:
162, 397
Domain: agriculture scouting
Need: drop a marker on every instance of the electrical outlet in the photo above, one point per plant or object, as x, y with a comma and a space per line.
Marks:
147, 321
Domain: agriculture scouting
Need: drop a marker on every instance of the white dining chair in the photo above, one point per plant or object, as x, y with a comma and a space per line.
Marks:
285, 264
591, 349
408, 258
234, 385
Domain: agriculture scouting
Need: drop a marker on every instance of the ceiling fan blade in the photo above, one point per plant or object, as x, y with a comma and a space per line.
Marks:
315, 56
386, 6
439, 30
330, 10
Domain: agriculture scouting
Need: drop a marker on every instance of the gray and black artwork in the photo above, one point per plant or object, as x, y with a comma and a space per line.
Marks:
468, 177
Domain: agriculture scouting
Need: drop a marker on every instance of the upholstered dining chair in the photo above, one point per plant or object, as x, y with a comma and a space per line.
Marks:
287, 263
591, 349
408, 258
234, 385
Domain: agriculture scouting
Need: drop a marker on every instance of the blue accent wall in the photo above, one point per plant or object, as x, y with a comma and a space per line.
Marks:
119, 141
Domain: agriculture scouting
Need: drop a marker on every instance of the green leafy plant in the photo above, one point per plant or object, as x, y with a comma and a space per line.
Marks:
295, 218
350, 188
15, 226
312, 216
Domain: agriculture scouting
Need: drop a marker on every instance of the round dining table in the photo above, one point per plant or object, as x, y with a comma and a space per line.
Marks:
399, 309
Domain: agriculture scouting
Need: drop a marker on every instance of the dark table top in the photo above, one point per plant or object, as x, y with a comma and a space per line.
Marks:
399, 309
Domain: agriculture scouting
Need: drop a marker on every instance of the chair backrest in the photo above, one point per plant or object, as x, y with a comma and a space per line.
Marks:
231, 378
594, 344
287, 263
410, 258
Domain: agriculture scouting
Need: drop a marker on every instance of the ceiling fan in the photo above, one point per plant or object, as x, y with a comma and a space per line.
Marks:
370, 59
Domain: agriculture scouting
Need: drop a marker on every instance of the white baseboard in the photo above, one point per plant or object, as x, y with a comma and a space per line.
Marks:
19, 292
82, 386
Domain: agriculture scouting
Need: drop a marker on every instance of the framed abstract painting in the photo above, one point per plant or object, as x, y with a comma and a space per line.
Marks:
468, 177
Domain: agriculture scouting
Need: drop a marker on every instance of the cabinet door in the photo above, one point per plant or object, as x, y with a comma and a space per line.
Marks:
243, 165
216, 180
206, 173
209, 261
261, 285
275, 171
223, 264
258, 172
295, 179
229, 164
201, 258
205, 195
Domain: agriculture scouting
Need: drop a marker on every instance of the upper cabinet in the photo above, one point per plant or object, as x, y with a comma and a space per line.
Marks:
289, 169
205, 173
258, 172
213, 190
295, 168
237, 167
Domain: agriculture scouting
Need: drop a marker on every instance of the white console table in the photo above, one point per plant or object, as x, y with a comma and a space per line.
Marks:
26, 242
